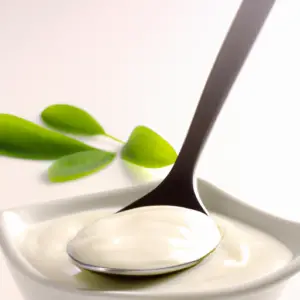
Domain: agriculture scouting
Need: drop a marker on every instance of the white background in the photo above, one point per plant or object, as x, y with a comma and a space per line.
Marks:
145, 62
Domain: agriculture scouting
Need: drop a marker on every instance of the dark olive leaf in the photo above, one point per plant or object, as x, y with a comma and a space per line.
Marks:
71, 119
79, 164
24, 139
148, 149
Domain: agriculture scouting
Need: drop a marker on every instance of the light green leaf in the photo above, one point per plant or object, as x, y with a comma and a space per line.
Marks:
79, 164
71, 119
148, 149
24, 139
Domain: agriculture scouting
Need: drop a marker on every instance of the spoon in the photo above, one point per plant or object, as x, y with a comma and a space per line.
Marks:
178, 188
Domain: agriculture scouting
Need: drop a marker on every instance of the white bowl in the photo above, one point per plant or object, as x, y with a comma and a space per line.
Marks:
35, 287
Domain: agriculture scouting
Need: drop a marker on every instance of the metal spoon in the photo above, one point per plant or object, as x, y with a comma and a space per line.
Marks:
178, 188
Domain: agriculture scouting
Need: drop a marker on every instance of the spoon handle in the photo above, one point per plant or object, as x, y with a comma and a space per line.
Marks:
232, 55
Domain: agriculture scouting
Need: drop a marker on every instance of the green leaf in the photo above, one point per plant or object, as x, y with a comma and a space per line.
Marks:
24, 139
71, 119
148, 149
79, 164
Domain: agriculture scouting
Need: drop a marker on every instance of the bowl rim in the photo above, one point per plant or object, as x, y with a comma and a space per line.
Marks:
260, 284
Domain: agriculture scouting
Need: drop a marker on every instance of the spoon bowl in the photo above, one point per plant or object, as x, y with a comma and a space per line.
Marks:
164, 239
178, 188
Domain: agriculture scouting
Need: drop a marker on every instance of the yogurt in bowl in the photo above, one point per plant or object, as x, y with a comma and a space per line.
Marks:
257, 250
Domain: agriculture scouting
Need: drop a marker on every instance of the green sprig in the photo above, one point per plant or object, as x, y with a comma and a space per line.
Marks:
75, 159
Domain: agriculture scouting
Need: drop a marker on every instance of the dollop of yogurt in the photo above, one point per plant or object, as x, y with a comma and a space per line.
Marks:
146, 238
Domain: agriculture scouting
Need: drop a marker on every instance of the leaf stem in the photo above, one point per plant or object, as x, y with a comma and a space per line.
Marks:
114, 138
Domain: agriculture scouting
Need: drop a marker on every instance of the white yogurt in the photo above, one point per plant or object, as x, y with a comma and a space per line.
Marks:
146, 238
244, 254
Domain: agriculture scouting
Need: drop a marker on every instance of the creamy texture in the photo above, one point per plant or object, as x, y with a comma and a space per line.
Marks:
243, 255
146, 238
